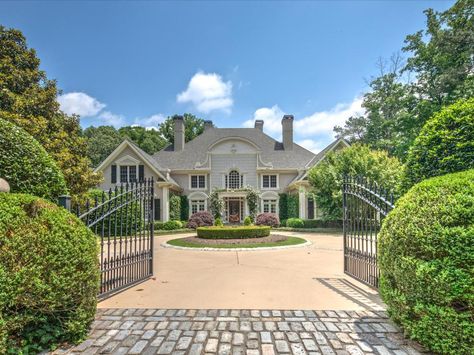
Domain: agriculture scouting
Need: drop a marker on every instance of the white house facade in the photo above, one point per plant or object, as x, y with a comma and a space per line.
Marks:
225, 159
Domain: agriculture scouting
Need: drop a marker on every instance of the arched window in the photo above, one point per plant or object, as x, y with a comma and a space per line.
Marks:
234, 180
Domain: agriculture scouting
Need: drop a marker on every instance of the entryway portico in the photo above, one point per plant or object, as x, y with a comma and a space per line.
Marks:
235, 206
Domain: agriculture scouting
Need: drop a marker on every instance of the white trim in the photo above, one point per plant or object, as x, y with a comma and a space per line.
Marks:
270, 188
196, 196
124, 160
197, 188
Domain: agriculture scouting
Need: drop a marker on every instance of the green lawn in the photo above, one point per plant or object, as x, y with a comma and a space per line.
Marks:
290, 241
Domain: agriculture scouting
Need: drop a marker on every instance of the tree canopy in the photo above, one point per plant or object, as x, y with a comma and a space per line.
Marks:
28, 99
194, 126
438, 71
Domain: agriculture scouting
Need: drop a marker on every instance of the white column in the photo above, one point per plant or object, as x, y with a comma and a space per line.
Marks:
165, 205
302, 200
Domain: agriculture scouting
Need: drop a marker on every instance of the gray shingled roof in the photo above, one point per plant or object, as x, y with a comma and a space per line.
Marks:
271, 151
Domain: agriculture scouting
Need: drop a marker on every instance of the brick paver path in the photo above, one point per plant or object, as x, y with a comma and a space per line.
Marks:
251, 332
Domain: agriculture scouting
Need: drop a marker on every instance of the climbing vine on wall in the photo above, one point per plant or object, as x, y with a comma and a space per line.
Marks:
216, 204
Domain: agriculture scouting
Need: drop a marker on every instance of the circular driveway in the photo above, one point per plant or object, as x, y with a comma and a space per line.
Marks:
309, 277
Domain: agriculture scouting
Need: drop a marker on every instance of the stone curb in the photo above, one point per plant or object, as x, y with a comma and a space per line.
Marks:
307, 243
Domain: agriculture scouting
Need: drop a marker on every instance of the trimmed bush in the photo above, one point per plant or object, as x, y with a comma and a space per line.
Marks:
241, 232
445, 144
175, 207
184, 209
218, 222
268, 219
26, 165
427, 266
49, 275
248, 221
172, 225
295, 223
200, 219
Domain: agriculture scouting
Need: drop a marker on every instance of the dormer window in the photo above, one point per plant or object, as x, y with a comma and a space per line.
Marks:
234, 180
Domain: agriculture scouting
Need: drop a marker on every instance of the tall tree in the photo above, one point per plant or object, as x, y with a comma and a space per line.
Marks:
442, 67
150, 140
194, 126
28, 99
101, 141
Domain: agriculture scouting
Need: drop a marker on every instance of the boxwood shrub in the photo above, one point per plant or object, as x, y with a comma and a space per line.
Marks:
295, 223
172, 225
322, 223
427, 263
26, 165
49, 275
241, 232
445, 144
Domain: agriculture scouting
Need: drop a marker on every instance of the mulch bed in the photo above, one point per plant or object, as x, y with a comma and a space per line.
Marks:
270, 239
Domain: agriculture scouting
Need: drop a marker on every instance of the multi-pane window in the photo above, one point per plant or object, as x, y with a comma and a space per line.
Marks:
269, 181
198, 181
197, 206
128, 173
270, 206
234, 180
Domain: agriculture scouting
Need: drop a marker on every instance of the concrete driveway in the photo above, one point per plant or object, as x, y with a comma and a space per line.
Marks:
309, 277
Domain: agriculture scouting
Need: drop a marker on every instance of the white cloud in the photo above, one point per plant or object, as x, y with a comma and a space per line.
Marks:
80, 104
112, 119
272, 119
150, 122
323, 122
208, 92
312, 145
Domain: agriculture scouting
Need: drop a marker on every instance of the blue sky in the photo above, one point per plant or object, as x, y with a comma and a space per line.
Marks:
126, 63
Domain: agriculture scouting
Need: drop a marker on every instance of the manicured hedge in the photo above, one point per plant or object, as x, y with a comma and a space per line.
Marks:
49, 275
445, 144
242, 232
295, 223
427, 263
27, 166
321, 223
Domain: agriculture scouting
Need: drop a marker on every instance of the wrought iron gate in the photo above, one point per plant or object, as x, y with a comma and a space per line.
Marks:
122, 218
365, 205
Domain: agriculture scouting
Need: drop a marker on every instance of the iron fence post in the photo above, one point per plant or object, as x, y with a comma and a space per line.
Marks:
65, 201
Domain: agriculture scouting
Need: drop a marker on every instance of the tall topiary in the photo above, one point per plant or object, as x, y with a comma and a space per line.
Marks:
426, 260
444, 145
175, 207
26, 165
283, 207
49, 275
184, 208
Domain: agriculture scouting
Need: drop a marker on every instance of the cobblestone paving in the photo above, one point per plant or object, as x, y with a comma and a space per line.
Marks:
250, 332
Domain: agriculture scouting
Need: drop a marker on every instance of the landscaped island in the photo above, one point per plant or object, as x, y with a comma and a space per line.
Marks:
235, 237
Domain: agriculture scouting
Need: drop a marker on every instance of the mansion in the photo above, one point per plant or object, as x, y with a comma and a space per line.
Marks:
227, 159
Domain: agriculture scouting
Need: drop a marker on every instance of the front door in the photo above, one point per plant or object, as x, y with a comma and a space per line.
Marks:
234, 211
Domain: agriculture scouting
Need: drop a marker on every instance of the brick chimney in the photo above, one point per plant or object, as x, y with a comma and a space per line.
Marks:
287, 131
178, 133
259, 124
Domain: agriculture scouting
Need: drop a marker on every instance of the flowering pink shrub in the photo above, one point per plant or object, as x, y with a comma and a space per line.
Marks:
200, 219
268, 219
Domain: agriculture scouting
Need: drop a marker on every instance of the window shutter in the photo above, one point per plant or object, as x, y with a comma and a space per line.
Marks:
114, 174
141, 172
